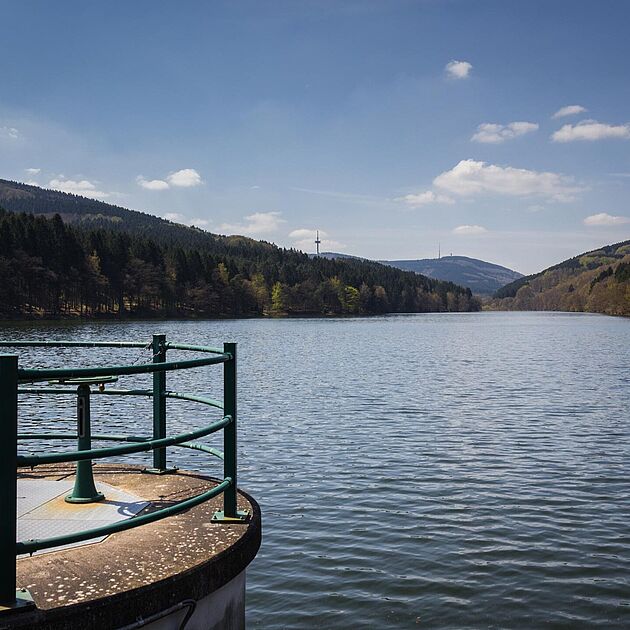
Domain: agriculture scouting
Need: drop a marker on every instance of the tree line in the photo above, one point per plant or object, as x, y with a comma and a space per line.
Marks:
52, 269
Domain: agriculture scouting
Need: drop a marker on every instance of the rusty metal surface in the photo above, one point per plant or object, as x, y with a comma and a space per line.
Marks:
44, 513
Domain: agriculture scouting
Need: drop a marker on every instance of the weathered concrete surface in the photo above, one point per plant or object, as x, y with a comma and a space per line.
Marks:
136, 574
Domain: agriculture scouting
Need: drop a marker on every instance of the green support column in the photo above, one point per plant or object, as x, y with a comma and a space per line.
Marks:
159, 401
159, 407
10, 598
84, 490
230, 512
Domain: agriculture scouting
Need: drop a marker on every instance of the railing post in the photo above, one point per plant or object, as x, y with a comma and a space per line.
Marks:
229, 433
230, 468
8, 481
159, 402
10, 599
84, 490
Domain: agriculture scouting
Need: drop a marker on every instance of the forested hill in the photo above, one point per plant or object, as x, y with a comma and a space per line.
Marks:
595, 282
92, 214
106, 267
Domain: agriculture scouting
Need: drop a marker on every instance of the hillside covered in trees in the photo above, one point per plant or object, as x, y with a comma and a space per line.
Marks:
594, 282
105, 266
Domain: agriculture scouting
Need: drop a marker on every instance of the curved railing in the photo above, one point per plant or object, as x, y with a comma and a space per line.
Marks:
15, 381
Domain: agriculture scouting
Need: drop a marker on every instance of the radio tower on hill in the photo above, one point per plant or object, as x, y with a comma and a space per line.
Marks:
317, 242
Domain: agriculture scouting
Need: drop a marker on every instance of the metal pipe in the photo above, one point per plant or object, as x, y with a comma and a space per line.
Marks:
193, 398
197, 446
73, 344
32, 375
188, 346
58, 458
106, 392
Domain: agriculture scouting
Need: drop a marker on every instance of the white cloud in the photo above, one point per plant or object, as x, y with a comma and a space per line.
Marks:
306, 233
470, 177
458, 69
416, 200
257, 223
185, 178
176, 217
9, 132
32, 171
305, 240
152, 184
84, 187
469, 230
591, 130
569, 110
603, 218
492, 133
198, 222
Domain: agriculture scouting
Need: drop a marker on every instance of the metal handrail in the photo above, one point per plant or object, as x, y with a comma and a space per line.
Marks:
113, 437
34, 375
10, 378
101, 453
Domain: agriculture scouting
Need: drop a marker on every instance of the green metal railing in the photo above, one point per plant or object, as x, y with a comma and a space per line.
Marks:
15, 381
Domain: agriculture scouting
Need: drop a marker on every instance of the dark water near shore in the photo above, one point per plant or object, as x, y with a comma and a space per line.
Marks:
436, 471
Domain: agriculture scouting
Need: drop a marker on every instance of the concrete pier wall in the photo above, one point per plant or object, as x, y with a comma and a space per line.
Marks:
222, 610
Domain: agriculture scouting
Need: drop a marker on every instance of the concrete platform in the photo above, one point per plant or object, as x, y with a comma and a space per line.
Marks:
134, 576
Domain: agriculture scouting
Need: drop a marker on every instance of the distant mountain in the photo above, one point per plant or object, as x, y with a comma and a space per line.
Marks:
597, 281
480, 277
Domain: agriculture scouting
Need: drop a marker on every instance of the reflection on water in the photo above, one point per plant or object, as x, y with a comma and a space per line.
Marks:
438, 471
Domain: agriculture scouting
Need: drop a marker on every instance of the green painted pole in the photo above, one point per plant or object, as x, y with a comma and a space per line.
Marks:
159, 402
84, 490
229, 432
8, 479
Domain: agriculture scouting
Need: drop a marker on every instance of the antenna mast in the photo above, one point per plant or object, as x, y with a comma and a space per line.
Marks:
317, 242
439, 252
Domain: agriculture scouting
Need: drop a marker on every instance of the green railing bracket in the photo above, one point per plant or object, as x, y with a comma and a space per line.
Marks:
242, 516
160, 471
23, 602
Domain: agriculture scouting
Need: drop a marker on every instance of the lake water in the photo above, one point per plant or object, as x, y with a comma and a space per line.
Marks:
435, 470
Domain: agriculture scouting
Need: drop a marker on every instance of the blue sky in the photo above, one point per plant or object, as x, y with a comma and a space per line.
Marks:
389, 126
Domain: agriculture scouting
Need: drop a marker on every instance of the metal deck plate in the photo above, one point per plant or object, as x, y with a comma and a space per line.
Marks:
44, 513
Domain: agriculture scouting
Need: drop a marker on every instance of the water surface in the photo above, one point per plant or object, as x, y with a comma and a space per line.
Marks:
437, 471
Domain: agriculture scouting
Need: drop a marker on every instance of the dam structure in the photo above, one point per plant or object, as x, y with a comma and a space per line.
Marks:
89, 539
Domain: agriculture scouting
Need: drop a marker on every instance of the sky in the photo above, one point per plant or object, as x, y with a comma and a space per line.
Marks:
493, 129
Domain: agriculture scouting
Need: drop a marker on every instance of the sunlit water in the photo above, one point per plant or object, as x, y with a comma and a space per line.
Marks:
437, 471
